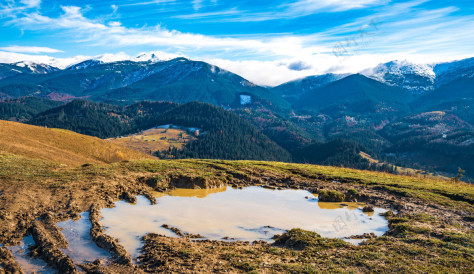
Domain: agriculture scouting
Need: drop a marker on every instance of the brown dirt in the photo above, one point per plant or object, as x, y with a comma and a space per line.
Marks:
119, 254
8, 262
21, 202
49, 240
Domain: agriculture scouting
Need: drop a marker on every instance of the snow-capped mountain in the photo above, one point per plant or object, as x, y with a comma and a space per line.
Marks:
447, 72
37, 68
420, 78
147, 57
416, 78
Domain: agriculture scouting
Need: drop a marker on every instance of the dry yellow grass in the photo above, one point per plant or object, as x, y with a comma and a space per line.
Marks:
155, 140
61, 146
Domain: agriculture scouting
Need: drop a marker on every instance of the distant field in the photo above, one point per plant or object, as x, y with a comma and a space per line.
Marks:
61, 146
158, 139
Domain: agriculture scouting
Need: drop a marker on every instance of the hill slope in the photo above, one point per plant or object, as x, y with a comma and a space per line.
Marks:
100, 119
23, 109
62, 146
456, 97
355, 94
292, 90
224, 135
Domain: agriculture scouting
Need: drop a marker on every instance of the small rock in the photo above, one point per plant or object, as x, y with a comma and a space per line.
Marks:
368, 209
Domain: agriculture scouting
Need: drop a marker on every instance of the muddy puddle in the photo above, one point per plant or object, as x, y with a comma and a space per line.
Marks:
248, 214
27, 263
81, 247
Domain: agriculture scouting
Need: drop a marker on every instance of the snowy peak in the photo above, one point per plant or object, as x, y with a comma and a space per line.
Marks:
155, 57
147, 57
416, 78
36, 68
403, 67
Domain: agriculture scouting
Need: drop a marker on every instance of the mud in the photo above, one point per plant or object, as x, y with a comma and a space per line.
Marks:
49, 240
8, 263
180, 255
22, 202
118, 252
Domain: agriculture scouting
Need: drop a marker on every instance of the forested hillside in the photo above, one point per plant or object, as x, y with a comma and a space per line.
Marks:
100, 119
223, 135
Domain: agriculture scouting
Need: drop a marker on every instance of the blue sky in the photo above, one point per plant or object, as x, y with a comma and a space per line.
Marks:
268, 42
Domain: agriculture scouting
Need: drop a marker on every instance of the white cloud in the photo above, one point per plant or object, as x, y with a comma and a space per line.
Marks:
114, 8
154, 2
197, 4
291, 10
309, 6
31, 3
113, 34
13, 57
30, 49
407, 32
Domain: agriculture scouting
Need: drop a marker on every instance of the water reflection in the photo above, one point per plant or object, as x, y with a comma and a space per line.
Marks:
81, 247
252, 213
27, 263
183, 192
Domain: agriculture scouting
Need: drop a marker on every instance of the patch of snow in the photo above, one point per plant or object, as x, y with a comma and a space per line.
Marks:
38, 68
213, 68
146, 57
245, 99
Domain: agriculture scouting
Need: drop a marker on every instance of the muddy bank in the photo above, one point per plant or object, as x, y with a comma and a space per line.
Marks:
64, 196
7, 262
118, 252
181, 255
49, 240
163, 183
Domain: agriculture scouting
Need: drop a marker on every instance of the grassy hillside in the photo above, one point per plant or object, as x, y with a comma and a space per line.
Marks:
430, 227
61, 146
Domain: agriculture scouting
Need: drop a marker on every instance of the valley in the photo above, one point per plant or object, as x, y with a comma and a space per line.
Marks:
400, 113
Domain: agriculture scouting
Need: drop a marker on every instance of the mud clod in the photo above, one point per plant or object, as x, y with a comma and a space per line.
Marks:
106, 242
331, 196
176, 230
149, 196
7, 262
368, 208
49, 240
364, 236
129, 197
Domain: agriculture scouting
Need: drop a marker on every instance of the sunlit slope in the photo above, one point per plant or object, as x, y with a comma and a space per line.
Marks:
62, 146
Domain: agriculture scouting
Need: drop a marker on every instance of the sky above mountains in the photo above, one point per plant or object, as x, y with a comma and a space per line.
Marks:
268, 42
